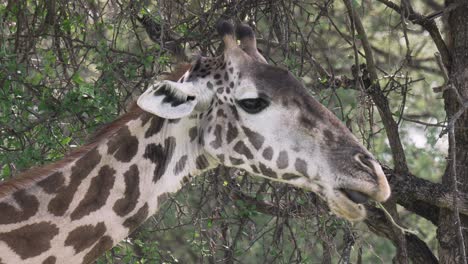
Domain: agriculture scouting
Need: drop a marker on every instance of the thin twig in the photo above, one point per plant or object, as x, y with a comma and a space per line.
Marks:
390, 217
420, 122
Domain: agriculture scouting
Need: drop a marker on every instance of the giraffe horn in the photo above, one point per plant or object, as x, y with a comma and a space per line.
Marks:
226, 31
248, 42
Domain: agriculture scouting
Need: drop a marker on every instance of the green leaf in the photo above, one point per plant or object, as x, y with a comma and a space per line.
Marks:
65, 141
66, 25
77, 78
36, 78
6, 172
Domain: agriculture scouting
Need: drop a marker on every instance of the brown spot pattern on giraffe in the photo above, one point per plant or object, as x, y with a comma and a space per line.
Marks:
307, 122
161, 156
301, 166
85, 236
255, 138
201, 162
290, 176
201, 139
234, 112
104, 244
60, 203
220, 157
242, 149
254, 169
221, 113
30, 240
49, 260
125, 205
193, 132
137, 219
216, 143
236, 161
145, 117
97, 194
268, 153
52, 183
155, 126
267, 171
283, 161
123, 146
232, 133
180, 165
28, 207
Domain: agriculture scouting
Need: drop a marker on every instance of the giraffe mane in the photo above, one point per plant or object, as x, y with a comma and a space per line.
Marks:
35, 174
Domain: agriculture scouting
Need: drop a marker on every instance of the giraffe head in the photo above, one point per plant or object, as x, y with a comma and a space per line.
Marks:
260, 118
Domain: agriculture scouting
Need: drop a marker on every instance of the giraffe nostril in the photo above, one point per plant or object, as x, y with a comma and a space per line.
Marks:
378, 188
365, 161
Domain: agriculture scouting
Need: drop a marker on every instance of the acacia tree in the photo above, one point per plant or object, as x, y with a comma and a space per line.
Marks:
67, 67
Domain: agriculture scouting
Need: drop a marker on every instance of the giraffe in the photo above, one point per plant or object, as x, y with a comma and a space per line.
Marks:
233, 110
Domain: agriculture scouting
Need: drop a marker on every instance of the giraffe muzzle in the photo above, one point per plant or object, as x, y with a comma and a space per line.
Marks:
381, 191
368, 183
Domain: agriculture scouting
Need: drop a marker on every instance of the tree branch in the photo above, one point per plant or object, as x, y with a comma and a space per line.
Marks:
377, 95
424, 195
428, 24
418, 251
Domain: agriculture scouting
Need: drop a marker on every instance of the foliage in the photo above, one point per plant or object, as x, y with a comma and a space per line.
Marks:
68, 67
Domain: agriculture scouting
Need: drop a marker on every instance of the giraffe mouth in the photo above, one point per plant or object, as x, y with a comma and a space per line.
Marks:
348, 204
355, 196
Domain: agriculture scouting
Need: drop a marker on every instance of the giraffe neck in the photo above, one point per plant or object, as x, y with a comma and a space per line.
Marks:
77, 212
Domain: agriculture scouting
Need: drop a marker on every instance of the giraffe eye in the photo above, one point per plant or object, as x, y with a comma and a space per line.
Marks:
253, 105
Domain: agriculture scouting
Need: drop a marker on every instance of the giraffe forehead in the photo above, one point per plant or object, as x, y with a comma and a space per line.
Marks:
276, 82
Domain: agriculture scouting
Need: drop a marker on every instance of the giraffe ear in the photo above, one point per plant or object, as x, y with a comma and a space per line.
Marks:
169, 99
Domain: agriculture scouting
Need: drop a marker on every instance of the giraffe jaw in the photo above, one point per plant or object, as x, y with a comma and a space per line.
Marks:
348, 198
348, 205
343, 202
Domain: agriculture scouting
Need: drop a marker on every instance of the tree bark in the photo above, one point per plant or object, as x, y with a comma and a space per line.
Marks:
450, 249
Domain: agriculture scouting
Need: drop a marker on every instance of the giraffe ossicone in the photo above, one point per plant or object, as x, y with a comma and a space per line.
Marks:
233, 110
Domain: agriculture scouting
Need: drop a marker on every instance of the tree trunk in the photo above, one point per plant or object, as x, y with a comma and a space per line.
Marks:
457, 38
